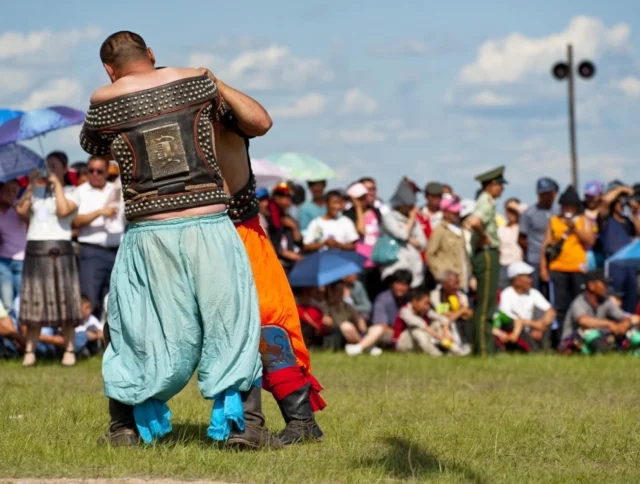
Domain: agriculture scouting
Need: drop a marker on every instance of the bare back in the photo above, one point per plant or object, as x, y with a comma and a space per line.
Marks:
233, 159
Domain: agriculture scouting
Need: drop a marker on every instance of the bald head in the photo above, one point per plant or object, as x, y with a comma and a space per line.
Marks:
123, 47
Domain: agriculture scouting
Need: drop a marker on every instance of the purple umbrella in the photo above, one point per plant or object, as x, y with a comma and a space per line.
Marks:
38, 122
7, 114
16, 161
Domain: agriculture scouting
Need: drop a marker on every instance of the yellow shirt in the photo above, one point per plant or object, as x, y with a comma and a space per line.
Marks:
573, 257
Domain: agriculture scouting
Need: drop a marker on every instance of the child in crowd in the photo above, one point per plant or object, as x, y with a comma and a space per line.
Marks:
356, 295
349, 325
420, 327
91, 328
315, 324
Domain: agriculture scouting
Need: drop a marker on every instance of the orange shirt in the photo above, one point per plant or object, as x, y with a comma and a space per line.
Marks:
573, 257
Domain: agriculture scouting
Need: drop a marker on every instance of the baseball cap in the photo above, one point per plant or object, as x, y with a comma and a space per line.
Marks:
282, 189
519, 268
434, 188
450, 204
357, 190
546, 185
262, 193
593, 188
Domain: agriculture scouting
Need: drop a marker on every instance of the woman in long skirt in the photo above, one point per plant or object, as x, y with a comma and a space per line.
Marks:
50, 293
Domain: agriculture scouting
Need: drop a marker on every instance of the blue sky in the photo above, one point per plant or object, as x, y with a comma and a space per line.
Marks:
409, 88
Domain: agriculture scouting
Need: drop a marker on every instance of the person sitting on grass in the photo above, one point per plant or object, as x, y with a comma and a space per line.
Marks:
385, 310
331, 231
594, 323
91, 327
418, 327
344, 318
450, 301
9, 331
524, 315
356, 295
315, 325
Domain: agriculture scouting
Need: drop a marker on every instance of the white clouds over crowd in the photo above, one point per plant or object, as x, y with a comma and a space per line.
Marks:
516, 57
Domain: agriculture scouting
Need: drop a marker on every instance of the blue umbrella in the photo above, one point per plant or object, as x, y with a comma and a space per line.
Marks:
325, 267
7, 114
628, 256
38, 122
17, 160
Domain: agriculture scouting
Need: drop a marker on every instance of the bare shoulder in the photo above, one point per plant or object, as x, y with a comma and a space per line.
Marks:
103, 94
147, 80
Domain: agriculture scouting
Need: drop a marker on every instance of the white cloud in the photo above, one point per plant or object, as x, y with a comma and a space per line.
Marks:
365, 135
630, 86
375, 132
491, 99
271, 68
411, 134
407, 47
43, 44
310, 105
14, 80
358, 102
58, 91
516, 56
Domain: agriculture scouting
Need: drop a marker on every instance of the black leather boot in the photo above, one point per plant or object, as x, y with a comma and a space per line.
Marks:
255, 435
122, 428
298, 414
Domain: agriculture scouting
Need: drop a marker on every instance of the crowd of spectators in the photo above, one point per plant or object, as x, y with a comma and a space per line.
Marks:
414, 293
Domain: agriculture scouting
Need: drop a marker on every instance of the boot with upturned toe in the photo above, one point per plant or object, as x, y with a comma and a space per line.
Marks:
255, 435
122, 428
298, 414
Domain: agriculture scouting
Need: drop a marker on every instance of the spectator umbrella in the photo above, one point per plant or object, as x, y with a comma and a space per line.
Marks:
7, 114
303, 167
324, 267
628, 256
38, 122
267, 174
17, 161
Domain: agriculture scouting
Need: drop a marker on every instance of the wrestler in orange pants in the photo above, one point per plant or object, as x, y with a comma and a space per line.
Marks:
285, 358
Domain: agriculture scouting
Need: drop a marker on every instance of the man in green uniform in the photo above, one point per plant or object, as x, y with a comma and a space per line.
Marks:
485, 258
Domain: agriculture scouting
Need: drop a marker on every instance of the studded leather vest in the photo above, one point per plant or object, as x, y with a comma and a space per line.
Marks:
162, 139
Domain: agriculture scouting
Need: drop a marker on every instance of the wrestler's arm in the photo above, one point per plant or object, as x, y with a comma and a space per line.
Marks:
253, 119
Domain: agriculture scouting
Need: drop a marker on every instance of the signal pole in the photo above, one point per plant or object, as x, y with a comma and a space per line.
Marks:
572, 119
562, 71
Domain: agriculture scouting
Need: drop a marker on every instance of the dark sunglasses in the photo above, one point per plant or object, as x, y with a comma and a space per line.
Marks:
99, 172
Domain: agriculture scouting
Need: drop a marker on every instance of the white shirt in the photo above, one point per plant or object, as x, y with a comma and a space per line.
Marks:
341, 229
522, 306
90, 322
44, 223
105, 232
510, 250
433, 218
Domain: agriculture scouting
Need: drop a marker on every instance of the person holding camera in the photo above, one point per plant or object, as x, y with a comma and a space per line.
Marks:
618, 230
563, 256
50, 292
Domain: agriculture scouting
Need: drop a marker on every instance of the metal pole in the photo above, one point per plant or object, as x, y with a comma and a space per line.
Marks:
572, 121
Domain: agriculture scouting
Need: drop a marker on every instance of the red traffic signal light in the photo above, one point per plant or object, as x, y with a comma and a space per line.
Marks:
560, 71
586, 69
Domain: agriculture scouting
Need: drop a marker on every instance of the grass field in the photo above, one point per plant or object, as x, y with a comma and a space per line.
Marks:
392, 418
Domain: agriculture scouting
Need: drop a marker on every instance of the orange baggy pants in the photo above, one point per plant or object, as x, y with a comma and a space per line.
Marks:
277, 304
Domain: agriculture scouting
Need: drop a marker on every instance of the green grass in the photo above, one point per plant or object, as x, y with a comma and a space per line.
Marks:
392, 418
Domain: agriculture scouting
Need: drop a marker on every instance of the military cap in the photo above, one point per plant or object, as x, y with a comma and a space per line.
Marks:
495, 175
